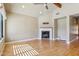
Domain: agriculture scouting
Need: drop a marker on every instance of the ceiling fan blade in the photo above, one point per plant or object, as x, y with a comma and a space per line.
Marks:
58, 5
46, 5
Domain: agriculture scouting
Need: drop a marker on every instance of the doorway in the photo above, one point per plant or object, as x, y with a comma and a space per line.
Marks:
60, 28
74, 26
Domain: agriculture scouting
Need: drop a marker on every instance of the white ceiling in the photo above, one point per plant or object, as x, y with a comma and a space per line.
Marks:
29, 8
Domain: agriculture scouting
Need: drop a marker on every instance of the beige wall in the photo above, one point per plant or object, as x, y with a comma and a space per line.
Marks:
21, 27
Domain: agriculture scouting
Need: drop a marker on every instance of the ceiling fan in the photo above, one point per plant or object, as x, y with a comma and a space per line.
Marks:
59, 5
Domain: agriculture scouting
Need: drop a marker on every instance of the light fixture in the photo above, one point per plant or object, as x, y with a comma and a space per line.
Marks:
23, 6
40, 12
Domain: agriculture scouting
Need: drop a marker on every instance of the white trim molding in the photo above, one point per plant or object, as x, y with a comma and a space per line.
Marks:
24, 40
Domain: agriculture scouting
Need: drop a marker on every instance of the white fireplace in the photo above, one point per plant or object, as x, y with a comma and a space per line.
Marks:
45, 32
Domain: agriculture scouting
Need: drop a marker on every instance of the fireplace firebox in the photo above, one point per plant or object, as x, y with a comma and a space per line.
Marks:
45, 34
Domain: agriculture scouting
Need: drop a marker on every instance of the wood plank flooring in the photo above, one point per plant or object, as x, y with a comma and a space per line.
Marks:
47, 48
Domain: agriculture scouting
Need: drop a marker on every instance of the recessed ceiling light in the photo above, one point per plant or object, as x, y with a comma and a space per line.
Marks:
40, 12
23, 6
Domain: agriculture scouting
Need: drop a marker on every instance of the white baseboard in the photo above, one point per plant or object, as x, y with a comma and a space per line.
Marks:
57, 38
24, 40
68, 42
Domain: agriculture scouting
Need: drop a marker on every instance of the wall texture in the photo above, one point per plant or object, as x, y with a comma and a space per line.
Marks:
21, 27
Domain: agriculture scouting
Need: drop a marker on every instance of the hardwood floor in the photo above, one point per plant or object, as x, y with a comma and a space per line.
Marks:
48, 48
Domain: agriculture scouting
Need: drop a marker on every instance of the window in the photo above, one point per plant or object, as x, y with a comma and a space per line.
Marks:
1, 26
